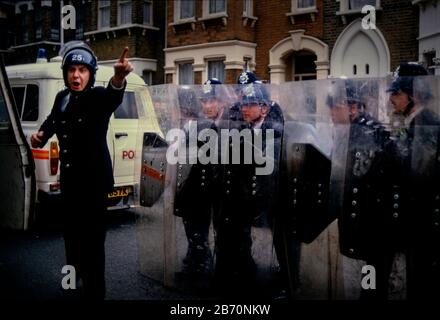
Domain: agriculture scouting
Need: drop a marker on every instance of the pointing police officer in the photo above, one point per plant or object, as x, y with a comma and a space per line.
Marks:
80, 117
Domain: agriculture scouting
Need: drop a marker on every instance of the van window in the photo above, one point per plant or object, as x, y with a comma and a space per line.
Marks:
26, 99
4, 117
127, 109
18, 97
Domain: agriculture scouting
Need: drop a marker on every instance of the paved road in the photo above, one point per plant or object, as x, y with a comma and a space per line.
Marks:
31, 262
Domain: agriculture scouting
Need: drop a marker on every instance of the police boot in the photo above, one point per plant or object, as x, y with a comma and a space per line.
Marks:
198, 259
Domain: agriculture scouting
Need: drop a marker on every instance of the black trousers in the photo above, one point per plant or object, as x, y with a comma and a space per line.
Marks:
84, 230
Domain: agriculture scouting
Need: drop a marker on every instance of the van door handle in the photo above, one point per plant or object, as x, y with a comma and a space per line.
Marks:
121, 134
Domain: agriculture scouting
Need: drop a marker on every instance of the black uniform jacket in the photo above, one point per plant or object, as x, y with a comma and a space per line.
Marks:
80, 122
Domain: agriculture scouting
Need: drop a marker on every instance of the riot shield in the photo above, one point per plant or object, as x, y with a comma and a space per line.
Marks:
155, 183
251, 142
303, 216
420, 217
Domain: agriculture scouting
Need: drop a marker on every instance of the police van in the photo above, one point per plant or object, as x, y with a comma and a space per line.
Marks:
35, 86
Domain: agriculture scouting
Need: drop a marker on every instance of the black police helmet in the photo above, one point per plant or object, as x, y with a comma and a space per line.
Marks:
404, 77
254, 93
78, 52
246, 78
210, 89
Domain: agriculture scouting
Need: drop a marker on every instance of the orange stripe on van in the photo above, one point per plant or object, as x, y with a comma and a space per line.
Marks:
40, 154
153, 173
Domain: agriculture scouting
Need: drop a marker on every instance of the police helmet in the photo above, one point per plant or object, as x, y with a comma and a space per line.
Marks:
404, 77
78, 52
210, 89
255, 93
246, 77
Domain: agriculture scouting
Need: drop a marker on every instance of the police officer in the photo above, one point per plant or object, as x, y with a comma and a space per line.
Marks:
245, 196
366, 223
417, 172
197, 193
80, 117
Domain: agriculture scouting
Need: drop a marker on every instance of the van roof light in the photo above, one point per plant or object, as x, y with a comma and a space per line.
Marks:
41, 57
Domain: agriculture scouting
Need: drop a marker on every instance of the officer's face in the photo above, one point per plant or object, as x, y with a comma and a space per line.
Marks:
340, 114
211, 108
252, 112
354, 111
399, 100
78, 76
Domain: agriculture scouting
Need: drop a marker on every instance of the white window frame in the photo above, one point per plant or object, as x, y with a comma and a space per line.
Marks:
177, 18
217, 59
295, 7
179, 64
295, 11
100, 7
248, 8
149, 75
206, 13
344, 7
150, 2
120, 4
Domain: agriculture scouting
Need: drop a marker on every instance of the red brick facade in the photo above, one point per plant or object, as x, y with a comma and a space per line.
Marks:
270, 23
397, 20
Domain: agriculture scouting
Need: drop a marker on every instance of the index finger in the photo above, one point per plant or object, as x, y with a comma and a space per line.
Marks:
123, 55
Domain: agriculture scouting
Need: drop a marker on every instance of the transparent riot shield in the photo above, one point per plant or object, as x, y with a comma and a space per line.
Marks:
155, 182
251, 142
419, 219
302, 241
359, 116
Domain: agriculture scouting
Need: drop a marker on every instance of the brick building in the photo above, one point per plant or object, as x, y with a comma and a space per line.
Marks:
285, 40
189, 41
429, 34
106, 25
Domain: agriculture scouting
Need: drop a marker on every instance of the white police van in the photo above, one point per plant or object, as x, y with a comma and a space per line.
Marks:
34, 88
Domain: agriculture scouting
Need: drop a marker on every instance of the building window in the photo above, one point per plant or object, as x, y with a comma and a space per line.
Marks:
80, 16
217, 6
186, 74
103, 14
301, 7
303, 66
216, 69
429, 58
124, 13
24, 26
148, 12
185, 9
305, 4
38, 25
147, 75
55, 21
350, 6
358, 4
248, 8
